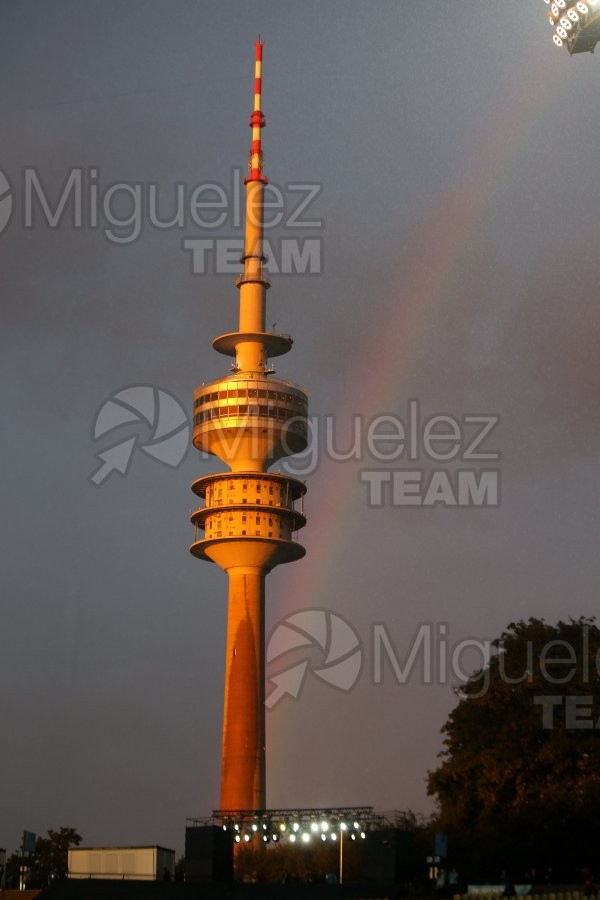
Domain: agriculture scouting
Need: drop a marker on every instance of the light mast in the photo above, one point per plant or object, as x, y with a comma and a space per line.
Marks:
249, 420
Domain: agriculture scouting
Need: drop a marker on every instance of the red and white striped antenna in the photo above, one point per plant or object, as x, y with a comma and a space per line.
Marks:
257, 121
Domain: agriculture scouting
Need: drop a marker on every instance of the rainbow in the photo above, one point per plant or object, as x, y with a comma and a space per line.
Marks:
448, 228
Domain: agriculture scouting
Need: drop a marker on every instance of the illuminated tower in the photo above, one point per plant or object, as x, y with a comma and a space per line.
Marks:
576, 24
249, 420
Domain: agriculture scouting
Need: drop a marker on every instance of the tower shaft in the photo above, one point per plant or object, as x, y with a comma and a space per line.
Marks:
243, 758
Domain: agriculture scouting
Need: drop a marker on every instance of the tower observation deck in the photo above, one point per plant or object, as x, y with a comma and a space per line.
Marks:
249, 518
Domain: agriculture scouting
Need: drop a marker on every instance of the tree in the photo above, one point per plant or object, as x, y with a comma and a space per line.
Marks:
519, 782
180, 869
51, 859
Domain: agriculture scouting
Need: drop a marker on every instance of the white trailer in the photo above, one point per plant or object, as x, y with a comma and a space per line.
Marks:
151, 863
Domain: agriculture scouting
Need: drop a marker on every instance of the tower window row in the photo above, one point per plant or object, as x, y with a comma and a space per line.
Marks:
227, 412
252, 525
258, 490
292, 400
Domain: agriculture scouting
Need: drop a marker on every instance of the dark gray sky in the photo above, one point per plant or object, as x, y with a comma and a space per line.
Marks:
456, 149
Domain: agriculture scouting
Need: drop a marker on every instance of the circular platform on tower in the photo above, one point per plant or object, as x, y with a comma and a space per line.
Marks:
275, 344
229, 552
293, 487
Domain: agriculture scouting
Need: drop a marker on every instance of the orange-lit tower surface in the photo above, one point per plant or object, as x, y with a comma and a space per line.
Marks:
249, 419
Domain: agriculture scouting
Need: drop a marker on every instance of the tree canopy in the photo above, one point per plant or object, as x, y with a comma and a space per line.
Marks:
49, 861
519, 781
51, 857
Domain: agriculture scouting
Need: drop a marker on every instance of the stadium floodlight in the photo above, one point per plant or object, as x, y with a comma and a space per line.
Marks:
576, 24
298, 824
